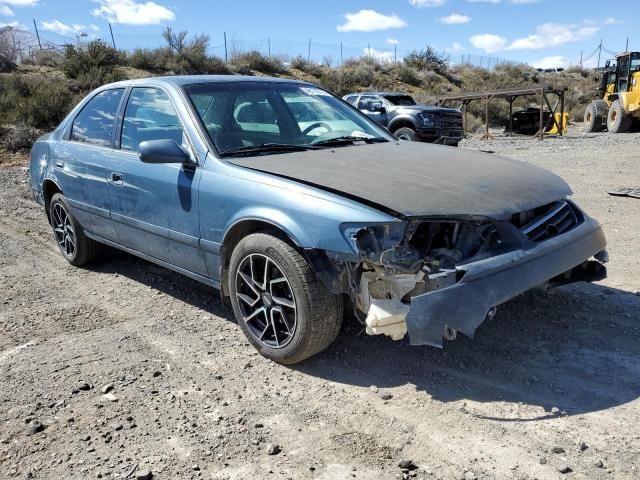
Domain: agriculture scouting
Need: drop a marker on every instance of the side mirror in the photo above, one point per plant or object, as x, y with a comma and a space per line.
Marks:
162, 151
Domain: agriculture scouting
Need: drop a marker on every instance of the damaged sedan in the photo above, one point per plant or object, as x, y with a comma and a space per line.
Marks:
300, 209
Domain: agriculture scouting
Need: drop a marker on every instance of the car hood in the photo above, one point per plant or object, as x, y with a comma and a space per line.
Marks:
412, 179
425, 108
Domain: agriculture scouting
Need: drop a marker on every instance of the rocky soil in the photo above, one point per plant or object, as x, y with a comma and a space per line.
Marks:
126, 370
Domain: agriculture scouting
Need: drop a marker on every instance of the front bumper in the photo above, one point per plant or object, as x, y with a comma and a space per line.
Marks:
493, 281
440, 135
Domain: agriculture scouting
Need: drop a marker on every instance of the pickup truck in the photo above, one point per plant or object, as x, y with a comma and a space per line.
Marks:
407, 120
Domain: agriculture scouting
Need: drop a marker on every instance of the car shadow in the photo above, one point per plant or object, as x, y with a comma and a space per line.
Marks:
575, 348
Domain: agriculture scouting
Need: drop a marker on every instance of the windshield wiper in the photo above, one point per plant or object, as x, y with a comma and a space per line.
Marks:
348, 140
266, 148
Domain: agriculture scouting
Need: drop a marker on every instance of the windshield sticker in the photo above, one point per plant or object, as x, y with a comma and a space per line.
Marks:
315, 91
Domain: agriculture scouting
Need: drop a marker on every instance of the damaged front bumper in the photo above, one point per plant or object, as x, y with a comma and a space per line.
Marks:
484, 284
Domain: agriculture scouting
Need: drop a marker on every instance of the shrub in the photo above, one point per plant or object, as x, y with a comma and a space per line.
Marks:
407, 74
427, 59
97, 54
311, 68
34, 102
18, 137
45, 58
248, 62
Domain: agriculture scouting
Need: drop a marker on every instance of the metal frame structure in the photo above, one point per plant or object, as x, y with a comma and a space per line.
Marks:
539, 91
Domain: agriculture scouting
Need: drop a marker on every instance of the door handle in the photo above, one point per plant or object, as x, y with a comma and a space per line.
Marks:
116, 178
59, 164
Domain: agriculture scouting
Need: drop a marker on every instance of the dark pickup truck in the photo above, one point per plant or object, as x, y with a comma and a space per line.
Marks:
409, 121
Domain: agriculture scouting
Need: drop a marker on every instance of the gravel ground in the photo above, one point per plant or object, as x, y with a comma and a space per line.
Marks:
126, 370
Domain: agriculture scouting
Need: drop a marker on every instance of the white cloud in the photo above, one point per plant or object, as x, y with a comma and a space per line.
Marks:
369, 21
427, 3
20, 3
552, 35
455, 19
379, 54
14, 24
495, 2
130, 12
555, 61
6, 11
455, 47
57, 26
612, 21
393, 41
488, 42
523, 2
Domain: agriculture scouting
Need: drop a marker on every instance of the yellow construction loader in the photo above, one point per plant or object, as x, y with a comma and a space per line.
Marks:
618, 103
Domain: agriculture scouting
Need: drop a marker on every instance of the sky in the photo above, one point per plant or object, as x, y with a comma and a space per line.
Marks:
543, 33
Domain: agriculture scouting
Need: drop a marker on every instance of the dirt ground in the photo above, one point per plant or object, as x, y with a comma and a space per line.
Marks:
550, 385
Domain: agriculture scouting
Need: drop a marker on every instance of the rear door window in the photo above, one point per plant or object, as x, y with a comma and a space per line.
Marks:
94, 123
149, 115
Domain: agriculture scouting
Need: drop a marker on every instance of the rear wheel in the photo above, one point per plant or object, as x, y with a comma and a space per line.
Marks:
283, 309
75, 247
618, 121
592, 121
406, 133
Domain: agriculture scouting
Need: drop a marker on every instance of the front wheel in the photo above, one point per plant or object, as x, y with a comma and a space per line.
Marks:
285, 312
592, 121
406, 133
618, 120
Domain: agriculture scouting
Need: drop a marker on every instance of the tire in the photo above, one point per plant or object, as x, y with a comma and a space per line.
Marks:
618, 121
75, 247
406, 133
592, 121
316, 313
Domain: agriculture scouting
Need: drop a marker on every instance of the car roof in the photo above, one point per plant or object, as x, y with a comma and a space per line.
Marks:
182, 80
386, 94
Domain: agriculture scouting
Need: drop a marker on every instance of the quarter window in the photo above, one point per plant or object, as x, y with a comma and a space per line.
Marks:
94, 123
149, 115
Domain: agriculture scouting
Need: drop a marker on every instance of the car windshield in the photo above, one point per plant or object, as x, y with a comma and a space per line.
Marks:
272, 117
400, 100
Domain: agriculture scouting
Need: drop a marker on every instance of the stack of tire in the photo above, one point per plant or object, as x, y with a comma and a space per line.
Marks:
618, 121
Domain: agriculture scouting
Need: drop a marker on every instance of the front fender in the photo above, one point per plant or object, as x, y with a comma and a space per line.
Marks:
272, 216
402, 118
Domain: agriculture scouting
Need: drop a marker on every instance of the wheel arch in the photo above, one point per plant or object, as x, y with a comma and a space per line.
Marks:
248, 225
403, 121
49, 189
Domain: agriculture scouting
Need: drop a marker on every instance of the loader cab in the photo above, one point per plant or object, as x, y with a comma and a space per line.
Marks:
626, 65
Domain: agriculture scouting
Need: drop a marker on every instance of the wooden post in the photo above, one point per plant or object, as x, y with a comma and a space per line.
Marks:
541, 112
226, 56
510, 100
464, 118
562, 122
309, 51
341, 56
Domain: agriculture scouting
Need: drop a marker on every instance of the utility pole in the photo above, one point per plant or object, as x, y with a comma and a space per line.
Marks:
341, 56
395, 53
309, 51
226, 56
580, 59
626, 49
599, 52
37, 34
369, 51
269, 45
112, 39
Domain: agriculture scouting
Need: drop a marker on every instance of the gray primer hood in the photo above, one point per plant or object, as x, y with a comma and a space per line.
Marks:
414, 179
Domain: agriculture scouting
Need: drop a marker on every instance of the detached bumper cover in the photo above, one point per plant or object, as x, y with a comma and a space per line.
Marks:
493, 281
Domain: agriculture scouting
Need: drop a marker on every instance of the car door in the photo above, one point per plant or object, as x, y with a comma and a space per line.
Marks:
80, 162
373, 107
155, 206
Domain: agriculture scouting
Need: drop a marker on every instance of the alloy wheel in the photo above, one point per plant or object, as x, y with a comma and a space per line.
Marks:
63, 229
266, 301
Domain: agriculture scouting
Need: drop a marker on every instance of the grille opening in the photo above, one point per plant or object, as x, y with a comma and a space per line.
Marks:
548, 221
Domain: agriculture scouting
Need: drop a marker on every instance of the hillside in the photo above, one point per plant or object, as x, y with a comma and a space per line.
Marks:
38, 93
